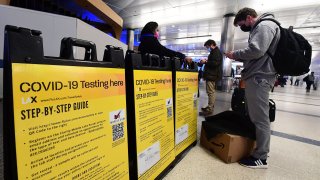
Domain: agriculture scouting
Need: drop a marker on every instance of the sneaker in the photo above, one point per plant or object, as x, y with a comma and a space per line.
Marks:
206, 109
205, 113
254, 163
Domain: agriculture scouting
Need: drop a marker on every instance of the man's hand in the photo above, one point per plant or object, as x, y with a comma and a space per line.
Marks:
203, 61
229, 55
188, 60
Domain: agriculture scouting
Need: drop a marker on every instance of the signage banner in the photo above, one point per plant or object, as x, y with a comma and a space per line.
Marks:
186, 105
70, 122
154, 121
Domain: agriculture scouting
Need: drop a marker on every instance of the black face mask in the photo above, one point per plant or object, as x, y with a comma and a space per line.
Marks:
245, 28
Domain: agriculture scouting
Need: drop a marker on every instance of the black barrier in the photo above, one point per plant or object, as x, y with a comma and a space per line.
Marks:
150, 115
115, 55
64, 118
67, 45
185, 95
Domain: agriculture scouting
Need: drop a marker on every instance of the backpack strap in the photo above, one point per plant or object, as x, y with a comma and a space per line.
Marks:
267, 19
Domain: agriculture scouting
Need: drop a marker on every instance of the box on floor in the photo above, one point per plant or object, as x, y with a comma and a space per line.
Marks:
229, 148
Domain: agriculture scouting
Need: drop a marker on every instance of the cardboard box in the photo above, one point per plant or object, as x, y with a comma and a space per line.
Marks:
229, 148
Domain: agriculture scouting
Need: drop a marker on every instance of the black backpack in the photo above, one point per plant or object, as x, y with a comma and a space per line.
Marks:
293, 53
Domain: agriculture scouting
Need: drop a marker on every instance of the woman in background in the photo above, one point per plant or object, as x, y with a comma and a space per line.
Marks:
149, 43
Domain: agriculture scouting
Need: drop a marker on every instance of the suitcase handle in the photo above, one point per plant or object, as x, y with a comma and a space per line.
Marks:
270, 100
67, 45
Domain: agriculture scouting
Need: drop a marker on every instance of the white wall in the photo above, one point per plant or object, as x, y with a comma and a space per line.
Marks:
87, 32
53, 28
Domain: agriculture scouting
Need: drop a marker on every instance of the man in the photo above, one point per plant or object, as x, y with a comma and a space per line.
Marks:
291, 80
296, 83
212, 73
259, 76
310, 81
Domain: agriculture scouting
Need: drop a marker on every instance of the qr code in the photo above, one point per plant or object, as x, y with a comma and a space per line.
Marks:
194, 103
117, 131
169, 112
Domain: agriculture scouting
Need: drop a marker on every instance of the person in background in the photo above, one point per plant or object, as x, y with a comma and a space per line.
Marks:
315, 83
309, 81
232, 73
282, 80
149, 43
212, 73
296, 82
259, 75
200, 76
291, 80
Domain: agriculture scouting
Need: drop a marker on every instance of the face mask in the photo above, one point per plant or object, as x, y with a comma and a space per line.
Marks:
209, 49
245, 28
156, 35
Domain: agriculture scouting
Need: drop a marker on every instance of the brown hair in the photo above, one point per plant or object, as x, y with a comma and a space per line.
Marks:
210, 42
243, 13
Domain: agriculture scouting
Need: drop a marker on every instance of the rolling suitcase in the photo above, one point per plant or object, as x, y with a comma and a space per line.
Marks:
238, 100
272, 110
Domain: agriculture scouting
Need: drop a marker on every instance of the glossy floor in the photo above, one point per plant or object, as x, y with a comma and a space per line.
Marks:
295, 143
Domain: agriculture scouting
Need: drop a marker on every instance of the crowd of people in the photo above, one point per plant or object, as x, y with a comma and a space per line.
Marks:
307, 79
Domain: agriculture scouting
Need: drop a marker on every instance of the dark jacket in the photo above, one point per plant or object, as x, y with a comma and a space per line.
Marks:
151, 45
212, 69
309, 79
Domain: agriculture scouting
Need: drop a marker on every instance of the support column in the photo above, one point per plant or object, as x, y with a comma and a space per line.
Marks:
130, 38
226, 44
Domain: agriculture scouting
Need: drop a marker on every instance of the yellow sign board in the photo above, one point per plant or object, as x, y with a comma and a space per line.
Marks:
70, 122
154, 122
186, 110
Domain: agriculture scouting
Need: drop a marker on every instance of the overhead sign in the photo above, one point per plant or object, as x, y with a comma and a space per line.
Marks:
70, 122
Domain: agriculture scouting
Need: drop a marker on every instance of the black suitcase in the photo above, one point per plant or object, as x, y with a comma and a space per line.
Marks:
272, 110
238, 100
238, 103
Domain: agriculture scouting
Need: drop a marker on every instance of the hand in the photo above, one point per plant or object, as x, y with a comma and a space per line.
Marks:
188, 60
229, 55
203, 61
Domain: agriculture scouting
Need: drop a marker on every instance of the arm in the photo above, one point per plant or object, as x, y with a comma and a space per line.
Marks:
168, 52
259, 43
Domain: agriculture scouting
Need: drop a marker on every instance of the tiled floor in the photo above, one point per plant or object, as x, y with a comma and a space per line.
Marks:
295, 147
292, 156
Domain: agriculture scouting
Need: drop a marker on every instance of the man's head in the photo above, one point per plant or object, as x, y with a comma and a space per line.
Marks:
210, 44
245, 18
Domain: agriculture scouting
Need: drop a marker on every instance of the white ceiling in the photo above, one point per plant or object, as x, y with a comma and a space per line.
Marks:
186, 24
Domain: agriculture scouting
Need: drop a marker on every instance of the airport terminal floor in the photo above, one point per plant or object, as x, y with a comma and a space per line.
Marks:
295, 142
